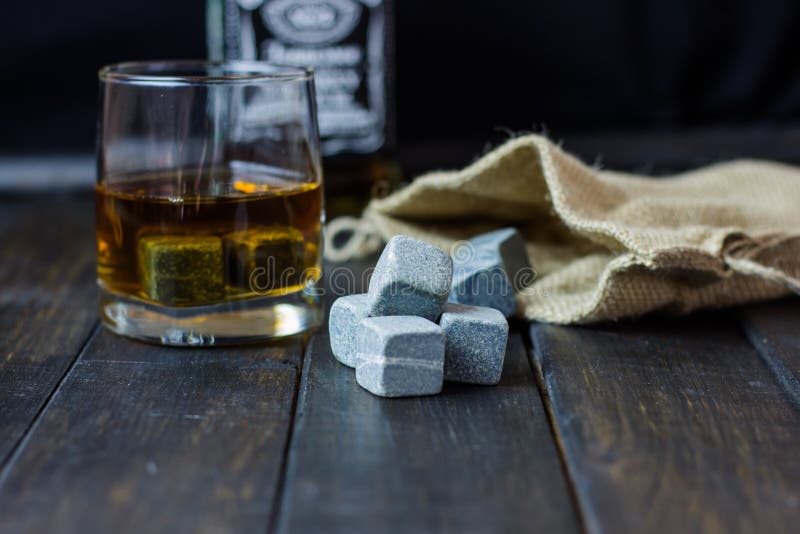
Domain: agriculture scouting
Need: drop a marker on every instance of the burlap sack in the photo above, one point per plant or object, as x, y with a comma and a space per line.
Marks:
607, 245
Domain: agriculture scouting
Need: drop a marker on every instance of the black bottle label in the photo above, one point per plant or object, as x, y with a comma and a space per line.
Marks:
346, 41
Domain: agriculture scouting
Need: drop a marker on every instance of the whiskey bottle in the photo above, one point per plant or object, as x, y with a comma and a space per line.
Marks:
349, 43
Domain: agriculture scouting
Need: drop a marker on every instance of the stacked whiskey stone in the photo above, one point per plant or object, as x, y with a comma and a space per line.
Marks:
391, 337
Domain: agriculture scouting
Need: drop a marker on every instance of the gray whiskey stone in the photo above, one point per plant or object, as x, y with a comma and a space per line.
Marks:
509, 244
179, 270
411, 278
475, 343
484, 270
343, 324
264, 260
400, 356
483, 282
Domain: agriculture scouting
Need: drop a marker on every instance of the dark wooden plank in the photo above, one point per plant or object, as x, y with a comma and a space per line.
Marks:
671, 426
47, 303
141, 438
774, 330
473, 459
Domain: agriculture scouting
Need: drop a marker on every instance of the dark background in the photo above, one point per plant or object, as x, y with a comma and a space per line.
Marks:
465, 69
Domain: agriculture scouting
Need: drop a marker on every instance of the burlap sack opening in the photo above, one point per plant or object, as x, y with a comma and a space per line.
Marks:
608, 245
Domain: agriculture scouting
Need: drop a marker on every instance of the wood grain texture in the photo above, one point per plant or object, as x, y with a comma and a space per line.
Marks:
47, 302
671, 426
473, 459
140, 438
774, 330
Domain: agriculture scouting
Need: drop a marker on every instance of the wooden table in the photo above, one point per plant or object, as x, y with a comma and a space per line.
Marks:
657, 425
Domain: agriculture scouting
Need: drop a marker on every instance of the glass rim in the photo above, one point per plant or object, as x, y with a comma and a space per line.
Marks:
166, 72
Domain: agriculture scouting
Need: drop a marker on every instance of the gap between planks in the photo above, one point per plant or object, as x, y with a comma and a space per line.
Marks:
8, 462
552, 425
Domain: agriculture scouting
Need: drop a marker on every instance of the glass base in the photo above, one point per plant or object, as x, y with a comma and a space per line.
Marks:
229, 323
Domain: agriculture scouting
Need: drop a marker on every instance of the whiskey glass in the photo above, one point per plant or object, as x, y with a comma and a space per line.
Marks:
209, 201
